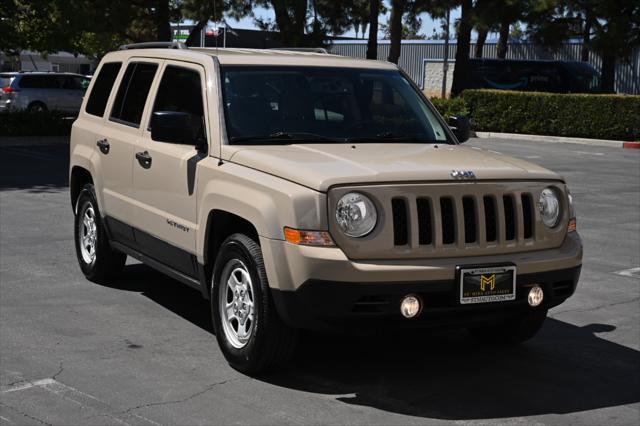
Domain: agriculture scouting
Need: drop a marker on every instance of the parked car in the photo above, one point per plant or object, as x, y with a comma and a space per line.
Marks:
533, 76
42, 91
301, 190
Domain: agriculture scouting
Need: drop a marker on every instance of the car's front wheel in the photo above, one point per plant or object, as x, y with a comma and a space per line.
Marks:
98, 261
250, 333
513, 331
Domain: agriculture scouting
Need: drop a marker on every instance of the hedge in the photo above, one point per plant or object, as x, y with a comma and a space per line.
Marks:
578, 115
22, 123
451, 107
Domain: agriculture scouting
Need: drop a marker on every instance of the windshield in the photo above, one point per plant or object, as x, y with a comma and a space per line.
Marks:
266, 105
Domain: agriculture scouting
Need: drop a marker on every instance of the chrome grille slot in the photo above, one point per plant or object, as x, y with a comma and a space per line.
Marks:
425, 227
400, 222
527, 215
490, 219
448, 220
470, 228
509, 217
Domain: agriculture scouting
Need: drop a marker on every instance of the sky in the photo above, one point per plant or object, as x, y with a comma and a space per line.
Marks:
428, 24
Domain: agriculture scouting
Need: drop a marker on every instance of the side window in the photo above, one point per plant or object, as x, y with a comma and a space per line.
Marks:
102, 88
180, 90
132, 93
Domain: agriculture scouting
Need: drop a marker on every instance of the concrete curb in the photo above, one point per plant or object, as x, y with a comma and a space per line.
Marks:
33, 140
554, 139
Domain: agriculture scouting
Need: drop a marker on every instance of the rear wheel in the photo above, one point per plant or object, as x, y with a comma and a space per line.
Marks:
37, 108
512, 331
250, 333
98, 261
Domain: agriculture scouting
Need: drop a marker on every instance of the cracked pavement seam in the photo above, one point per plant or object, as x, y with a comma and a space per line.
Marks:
25, 414
177, 401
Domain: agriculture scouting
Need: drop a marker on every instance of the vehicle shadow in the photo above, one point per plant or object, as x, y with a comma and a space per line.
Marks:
38, 169
441, 375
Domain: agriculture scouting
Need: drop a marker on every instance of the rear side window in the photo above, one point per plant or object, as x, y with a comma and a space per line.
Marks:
39, 82
102, 88
132, 93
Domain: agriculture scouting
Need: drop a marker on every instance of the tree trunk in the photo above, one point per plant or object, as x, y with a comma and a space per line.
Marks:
397, 10
608, 76
503, 40
372, 44
163, 24
586, 37
194, 35
291, 25
462, 49
482, 37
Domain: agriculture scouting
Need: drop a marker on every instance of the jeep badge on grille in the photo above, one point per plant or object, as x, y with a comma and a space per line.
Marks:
462, 174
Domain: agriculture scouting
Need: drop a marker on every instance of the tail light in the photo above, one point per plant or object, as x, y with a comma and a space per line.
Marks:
9, 89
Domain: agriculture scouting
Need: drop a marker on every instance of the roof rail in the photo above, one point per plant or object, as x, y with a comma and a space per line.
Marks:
155, 45
302, 49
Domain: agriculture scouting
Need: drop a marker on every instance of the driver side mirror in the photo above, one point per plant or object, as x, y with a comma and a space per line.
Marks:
177, 127
461, 127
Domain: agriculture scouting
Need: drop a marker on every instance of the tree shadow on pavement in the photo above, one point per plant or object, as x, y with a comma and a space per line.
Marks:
441, 375
38, 169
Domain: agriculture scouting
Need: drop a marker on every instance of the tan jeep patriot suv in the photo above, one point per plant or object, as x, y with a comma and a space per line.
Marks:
301, 190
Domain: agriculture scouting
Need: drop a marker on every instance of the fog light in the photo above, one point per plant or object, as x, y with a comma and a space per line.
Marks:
535, 296
410, 306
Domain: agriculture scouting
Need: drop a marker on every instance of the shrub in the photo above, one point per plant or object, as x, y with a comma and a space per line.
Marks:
22, 123
577, 115
450, 107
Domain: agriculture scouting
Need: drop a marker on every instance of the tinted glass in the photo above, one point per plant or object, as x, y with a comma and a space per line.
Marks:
72, 82
180, 90
338, 104
102, 88
39, 82
133, 92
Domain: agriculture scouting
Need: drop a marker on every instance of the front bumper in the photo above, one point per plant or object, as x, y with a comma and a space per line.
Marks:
323, 305
320, 288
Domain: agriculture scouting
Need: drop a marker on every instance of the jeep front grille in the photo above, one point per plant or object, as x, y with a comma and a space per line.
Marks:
458, 219
505, 216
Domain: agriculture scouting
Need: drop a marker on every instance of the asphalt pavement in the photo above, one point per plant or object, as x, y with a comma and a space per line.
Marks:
141, 350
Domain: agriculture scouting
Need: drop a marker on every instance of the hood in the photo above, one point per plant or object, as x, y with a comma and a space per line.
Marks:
320, 166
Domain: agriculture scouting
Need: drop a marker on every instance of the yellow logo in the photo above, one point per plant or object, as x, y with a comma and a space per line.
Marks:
487, 281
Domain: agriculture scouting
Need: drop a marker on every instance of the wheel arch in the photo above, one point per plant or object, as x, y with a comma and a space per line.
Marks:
78, 178
220, 225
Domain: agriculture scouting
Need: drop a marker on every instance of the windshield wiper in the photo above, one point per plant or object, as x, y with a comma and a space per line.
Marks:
388, 136
285, 137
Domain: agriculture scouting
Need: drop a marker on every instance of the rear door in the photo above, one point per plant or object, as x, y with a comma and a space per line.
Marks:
165, 216
116, 143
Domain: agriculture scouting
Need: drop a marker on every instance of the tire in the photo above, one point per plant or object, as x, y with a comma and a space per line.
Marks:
262, 342
513, 331
37, 108
98, 261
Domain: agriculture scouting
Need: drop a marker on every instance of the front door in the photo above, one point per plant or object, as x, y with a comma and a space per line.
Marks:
164, 174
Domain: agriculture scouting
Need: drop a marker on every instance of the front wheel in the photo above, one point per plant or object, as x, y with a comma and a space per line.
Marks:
250, 333
513, 331
98, 261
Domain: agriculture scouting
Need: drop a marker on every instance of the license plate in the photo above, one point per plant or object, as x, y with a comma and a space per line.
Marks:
490, 284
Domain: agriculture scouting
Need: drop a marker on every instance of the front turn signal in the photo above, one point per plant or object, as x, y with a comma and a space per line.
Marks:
572, 226
308, 238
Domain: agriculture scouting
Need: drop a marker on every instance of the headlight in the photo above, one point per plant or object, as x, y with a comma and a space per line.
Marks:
356, 214
549, 207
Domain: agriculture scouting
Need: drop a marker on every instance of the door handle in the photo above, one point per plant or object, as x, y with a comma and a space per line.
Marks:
104, 146
144, 159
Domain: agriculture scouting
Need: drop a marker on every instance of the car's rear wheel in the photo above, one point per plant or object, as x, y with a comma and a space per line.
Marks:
250, 333
37, 108
513, 331
98, 261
